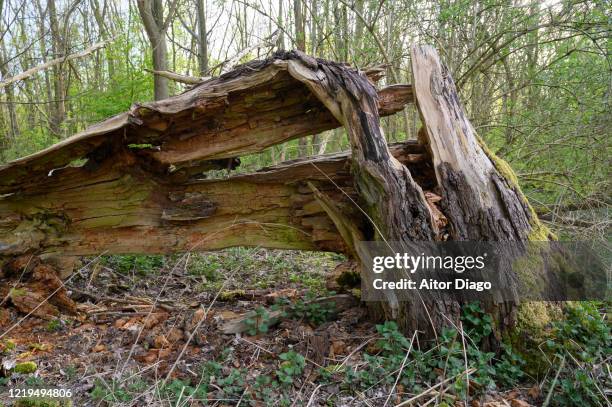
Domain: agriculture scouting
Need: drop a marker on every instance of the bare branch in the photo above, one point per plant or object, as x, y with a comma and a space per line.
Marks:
269, 41
177, 77
26, 74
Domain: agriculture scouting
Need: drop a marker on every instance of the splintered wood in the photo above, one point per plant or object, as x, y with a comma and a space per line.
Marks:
136, 183
142, 187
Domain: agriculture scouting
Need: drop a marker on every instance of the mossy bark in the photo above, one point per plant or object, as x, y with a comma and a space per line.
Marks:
141, 188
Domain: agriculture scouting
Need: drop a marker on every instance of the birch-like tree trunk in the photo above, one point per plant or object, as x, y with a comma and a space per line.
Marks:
202, 38
152, 15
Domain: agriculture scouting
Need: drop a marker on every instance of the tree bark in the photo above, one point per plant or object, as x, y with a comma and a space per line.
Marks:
112, 205
300, 44
13, 130
152, 15
104, 32
143, 175
145, 170
58, 48
300, 34
202, 38
480, 196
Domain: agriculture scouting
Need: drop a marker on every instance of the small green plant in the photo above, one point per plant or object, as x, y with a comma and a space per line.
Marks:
181, 389
259, 322
509, 368
448, 356
112, 393
54, 325
582, 338
291, 367
264, 389
25, 367
577, 388
140, 264
325, 375
70, 371
40, 402
207, 266
211, 369
7, 346
118, 390
476, 323
233, 384
393, 341
34, 381
312, 311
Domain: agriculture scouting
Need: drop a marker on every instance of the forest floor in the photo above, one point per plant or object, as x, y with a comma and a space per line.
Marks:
149, 332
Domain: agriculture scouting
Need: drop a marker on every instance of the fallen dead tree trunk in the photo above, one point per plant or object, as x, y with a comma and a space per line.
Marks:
125, 209
142, 187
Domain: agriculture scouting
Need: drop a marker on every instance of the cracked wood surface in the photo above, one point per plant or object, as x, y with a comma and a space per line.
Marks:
242, 112
141, 188
119, 208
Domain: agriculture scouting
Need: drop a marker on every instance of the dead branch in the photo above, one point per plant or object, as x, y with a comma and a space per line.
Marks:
269, 41
26, 74
177, 77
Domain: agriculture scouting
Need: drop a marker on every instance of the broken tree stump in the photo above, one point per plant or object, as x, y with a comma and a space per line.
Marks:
139, 182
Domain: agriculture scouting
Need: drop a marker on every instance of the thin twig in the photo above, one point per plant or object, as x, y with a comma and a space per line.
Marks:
442, 383
554, 382
399, 374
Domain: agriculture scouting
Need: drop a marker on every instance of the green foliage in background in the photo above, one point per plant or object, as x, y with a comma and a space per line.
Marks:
139, 264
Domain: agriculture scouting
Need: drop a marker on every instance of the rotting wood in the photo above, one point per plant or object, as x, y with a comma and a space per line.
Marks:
141, 190
128, 210
242, 112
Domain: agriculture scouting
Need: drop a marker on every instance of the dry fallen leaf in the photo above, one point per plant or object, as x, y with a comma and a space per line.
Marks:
153, 355
226, 314
337, 348
534, 392
160, 341
519, 403
120, 322
284, 293
99, 348
5, 317
198, 316
512, 395
133, 324
154, 319
174, 335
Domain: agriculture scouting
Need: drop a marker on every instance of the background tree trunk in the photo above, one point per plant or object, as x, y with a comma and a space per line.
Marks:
202, 38
300, 44
58, 49
13, 130
152, 15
